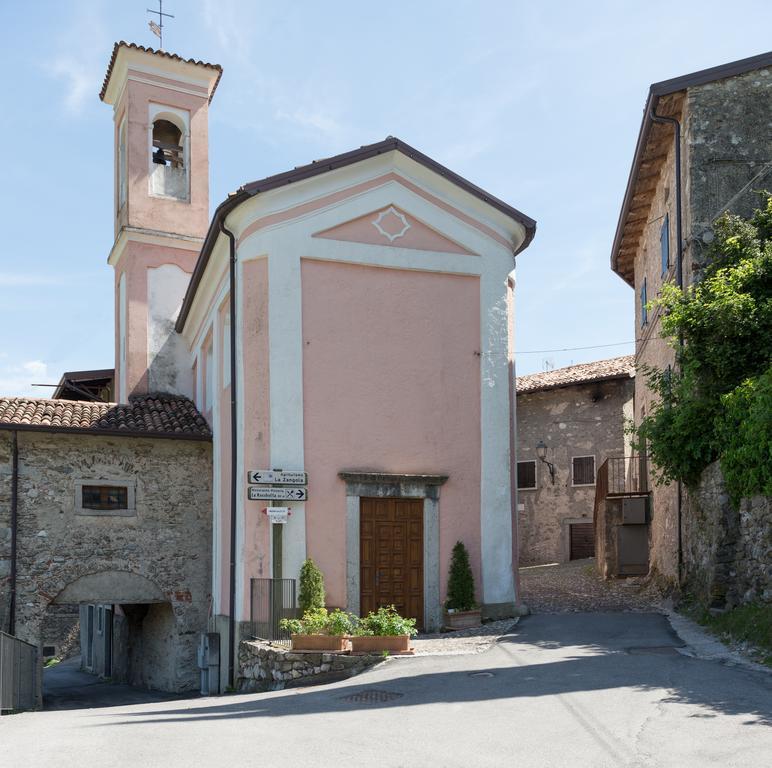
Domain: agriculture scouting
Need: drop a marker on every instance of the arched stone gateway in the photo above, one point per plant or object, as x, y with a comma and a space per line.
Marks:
111, 587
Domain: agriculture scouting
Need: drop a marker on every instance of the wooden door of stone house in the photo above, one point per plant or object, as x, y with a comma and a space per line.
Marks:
392, 556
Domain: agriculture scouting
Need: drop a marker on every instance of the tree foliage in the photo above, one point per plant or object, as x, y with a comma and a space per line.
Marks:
460, 580
311, 592
715, 403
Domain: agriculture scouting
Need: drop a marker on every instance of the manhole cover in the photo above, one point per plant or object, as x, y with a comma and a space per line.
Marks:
371, 696
481, 674
660, 650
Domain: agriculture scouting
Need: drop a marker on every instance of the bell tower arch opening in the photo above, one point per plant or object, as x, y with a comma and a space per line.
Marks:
168, 169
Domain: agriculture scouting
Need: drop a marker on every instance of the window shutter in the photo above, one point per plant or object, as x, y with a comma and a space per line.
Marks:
664, 243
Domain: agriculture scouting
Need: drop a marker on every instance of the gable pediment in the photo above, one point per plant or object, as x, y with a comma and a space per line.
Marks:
392, 226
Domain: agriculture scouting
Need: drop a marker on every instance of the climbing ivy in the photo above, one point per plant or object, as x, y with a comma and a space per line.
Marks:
715, 403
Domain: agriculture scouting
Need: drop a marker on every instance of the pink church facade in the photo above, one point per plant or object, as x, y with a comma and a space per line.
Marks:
362, 307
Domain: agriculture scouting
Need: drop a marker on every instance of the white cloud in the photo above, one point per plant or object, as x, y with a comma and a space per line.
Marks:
16, 380
79, 79
316, 120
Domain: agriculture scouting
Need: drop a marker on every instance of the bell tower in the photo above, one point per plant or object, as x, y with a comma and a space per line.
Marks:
161, 211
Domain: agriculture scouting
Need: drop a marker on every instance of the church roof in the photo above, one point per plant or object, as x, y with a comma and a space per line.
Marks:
173, 56
584, 373
318, 167
166, 416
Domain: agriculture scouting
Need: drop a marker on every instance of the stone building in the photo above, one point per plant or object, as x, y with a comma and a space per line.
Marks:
578, 415
111, 506
720, 120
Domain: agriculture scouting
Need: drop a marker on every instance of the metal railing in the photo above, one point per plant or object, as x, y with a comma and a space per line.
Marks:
270, 601
18, 674
621, 476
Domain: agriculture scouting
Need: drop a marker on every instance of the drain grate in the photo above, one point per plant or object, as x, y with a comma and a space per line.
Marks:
371, 696
659, 650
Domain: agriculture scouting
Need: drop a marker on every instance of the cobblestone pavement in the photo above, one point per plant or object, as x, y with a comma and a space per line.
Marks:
576, 586
474, 640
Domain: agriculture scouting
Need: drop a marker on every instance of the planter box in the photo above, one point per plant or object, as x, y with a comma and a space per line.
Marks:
380, 643
463, 619
320, 643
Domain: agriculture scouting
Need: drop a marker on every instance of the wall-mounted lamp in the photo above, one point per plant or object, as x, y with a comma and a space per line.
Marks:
541, 452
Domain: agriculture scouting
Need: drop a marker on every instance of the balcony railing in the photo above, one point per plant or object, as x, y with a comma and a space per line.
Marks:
621, 476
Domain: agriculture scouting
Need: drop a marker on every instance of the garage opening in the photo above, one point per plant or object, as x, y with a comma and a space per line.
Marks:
581, 541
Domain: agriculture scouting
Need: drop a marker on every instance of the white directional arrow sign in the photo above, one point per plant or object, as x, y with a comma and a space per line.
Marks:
276, 477
259, 493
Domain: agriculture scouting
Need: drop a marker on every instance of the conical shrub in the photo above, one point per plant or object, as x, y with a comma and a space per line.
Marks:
460, 580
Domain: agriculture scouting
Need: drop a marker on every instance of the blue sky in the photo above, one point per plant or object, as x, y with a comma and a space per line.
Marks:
539, 103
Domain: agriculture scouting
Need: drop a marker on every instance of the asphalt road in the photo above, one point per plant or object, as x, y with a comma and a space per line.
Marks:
575, 689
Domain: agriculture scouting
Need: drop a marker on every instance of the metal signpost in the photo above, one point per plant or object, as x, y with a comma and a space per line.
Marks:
277, 485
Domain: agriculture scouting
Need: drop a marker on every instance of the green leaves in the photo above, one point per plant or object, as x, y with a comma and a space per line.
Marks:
713, 404
311, 594
460, 580
385, 621
319, 622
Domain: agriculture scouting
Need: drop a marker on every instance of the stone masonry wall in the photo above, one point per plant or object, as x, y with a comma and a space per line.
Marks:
264, 667
167, 542
580, 420
727, 551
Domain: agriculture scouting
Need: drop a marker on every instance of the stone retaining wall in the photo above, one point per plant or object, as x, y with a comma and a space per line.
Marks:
264, 667
727, 551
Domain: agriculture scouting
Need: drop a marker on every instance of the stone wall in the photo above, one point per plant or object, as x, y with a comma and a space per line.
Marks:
264, 667
161, 552
727, 551
580, 420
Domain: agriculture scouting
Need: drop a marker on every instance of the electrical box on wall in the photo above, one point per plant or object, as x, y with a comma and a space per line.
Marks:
634, 510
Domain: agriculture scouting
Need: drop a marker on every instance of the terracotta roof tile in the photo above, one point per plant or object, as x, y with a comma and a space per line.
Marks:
123, 44
150, 415
599, 370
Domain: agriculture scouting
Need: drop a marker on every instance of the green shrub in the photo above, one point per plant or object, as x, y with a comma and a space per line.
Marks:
460, 581
311, 594
745, 430
319, 622
385, 621
715, 404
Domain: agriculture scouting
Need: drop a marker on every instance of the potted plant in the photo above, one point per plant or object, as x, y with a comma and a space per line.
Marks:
319, 630
311, 593
383, 630
461, 610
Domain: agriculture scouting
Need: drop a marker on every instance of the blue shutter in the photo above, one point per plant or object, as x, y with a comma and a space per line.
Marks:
664, 243
644, 301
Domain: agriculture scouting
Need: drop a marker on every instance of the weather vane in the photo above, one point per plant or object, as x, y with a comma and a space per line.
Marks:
158, 29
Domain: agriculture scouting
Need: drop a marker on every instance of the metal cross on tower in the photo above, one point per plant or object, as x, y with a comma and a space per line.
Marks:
158, 29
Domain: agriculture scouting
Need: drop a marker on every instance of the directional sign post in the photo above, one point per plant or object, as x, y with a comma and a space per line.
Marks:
277, 477
260, 493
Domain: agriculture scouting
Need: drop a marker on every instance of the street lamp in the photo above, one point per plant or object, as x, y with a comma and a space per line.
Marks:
541, 452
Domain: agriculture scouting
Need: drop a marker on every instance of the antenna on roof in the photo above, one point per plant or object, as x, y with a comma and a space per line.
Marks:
158, 29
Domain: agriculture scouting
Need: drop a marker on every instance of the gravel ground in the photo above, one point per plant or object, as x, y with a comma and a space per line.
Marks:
576, 586
474, 640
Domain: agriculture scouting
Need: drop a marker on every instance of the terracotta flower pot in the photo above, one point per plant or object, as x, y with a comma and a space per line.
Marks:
380, 643
320, 643
463, 619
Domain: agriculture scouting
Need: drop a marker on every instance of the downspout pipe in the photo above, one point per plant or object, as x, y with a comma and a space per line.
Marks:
234, 456
679, 281
14, 529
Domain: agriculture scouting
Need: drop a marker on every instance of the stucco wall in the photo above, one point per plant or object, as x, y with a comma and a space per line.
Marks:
391, 383
166, 545
580, 420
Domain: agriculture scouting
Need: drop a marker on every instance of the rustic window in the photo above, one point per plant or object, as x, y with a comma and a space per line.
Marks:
104, 497
644, 302
583, 470
526, 475
664, 243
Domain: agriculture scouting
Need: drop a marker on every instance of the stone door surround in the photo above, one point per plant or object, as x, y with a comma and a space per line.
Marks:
361, 484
